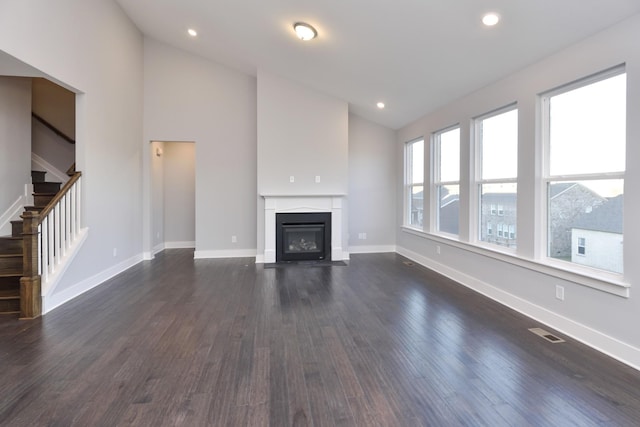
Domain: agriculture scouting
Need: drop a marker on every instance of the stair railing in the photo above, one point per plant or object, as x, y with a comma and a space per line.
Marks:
48, 235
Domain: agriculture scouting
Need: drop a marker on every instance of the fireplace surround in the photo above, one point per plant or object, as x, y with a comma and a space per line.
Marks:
274, 204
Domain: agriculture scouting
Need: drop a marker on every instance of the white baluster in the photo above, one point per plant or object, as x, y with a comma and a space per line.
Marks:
72, 213
40, 252
79, 205
49, 263
57, 234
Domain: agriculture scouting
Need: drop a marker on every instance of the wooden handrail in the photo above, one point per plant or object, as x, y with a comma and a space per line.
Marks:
53, 128
60, 195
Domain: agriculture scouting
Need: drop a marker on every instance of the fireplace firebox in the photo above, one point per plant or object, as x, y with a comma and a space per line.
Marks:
303, 236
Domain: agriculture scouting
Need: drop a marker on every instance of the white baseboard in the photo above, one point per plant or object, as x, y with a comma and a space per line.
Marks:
236, 253
48, 168
179, 245
12, 213
375, 249
606, 344
56, 300
147, 256
157, 249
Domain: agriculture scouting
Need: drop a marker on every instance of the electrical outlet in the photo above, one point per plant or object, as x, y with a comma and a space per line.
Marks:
560, 292
362, 236
234, 239
292, 178
438, 249
317, 179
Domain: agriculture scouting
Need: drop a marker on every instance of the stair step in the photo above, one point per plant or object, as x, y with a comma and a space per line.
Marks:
16, 228
9, 294
34, 208
43, 199
9, 302
11, 264
10, 282
37, 176
11, 245
46, 187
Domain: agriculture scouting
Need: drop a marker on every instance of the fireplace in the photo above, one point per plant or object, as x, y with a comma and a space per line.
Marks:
303, 236
288, 204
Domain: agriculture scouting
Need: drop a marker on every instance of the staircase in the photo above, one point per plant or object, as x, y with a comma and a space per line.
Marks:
12, 247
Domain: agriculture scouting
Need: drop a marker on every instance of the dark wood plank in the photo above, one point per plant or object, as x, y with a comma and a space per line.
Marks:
177, 341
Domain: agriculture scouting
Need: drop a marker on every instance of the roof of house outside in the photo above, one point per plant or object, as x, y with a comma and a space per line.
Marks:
606, 217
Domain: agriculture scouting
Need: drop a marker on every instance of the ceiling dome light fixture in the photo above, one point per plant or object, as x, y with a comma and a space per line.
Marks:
380, 105
305, 31
490, 19
192, 32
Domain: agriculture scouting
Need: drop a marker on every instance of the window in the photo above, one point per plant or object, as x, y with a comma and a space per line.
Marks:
497, 171
585, 139
414, 179
446, 149
512, 231
582, 245
489, 229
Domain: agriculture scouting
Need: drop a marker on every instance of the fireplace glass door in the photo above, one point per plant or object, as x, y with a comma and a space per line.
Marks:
304, 236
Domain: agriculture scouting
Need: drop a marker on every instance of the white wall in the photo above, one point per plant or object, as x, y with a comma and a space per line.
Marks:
372, 186
604, 320
188, 98
94, 48
301, 133
15, 146
179, 194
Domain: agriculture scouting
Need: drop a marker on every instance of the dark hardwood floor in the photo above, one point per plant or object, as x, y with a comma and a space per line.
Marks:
177, 341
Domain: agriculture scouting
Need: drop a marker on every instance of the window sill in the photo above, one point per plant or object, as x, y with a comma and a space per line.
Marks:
611, 283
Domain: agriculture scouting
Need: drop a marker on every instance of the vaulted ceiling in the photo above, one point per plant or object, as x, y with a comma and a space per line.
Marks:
413, 55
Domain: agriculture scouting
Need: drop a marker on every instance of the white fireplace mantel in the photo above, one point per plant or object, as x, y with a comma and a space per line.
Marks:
274, 204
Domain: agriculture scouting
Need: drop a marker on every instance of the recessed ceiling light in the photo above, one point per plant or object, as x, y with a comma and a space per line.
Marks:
490, 19
192, 32
305, 31
380, 105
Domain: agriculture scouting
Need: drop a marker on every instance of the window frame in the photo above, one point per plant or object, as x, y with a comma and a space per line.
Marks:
479, 181
582, 244
436, 182
547, 179
409, 184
